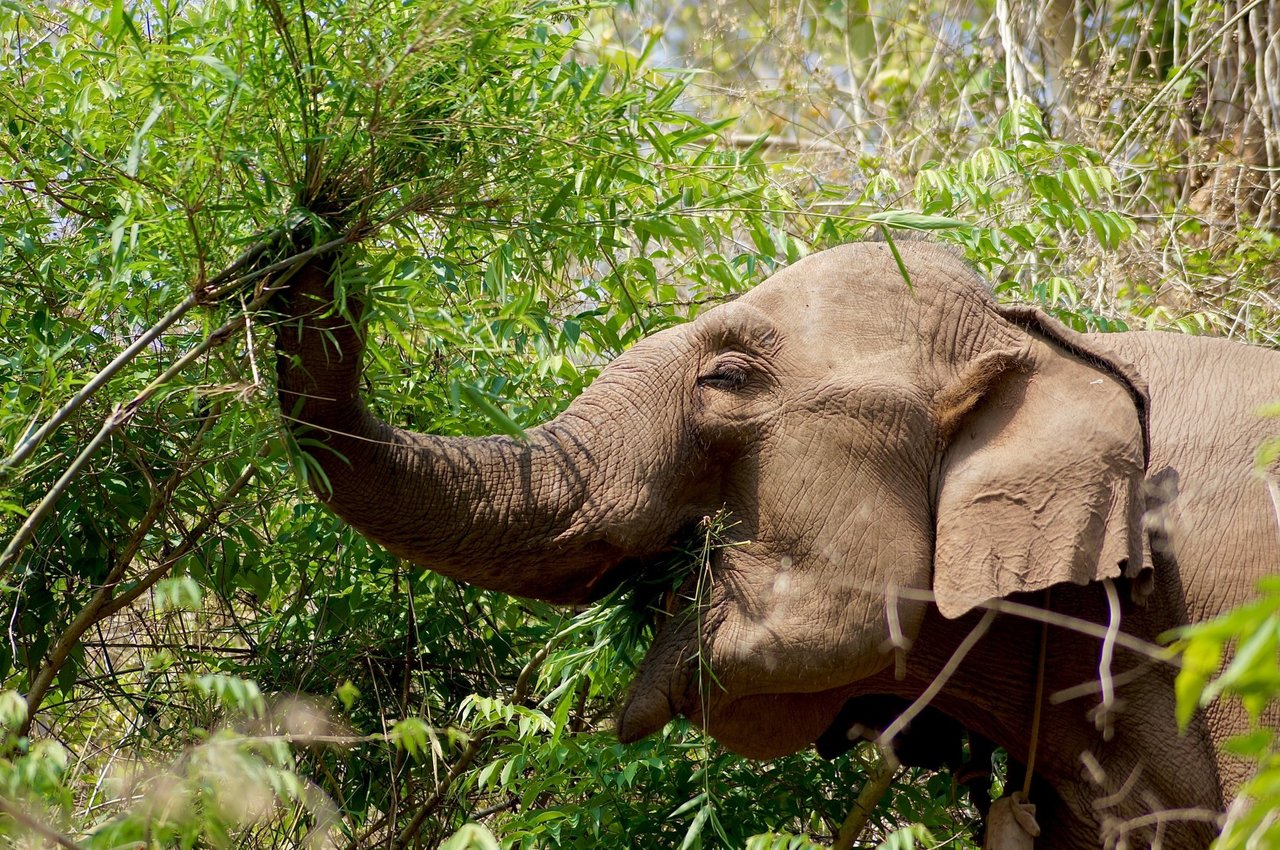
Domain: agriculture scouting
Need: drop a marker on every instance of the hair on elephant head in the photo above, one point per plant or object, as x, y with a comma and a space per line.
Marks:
862, 433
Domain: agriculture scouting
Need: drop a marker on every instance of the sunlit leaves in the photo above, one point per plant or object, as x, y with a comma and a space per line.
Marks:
471, 837
13, 709
413, 736
181, 592
1034, 194
780, 841
231, 692
1248, 638
1252, 672
916, 221
534, 198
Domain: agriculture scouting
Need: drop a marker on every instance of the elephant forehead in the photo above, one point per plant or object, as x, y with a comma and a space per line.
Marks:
854, 295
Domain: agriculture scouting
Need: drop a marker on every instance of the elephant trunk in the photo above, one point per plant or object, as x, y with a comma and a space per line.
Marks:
516, 516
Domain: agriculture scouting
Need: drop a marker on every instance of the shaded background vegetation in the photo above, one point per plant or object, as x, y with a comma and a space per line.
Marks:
196, 654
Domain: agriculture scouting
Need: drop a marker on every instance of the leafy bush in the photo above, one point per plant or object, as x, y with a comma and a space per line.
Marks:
205, 656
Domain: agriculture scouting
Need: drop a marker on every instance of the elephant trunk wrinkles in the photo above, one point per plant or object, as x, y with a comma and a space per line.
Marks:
505, 514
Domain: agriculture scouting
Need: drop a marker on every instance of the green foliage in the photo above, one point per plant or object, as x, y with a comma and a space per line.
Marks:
1248, 640
471, 837
908, 838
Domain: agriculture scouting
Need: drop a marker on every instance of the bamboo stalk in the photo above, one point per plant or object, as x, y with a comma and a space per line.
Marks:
118, 418
873, 791
225, 282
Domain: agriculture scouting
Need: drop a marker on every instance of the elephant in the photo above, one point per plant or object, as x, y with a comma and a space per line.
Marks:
906, 463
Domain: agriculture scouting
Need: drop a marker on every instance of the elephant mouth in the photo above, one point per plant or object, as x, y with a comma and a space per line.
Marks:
758, 726
678, 677
660, 691
668, 597
698, 665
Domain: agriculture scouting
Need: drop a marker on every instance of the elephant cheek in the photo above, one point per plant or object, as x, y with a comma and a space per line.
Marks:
821, 628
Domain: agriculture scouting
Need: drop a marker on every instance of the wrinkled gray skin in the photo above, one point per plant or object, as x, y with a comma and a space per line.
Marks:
863, 435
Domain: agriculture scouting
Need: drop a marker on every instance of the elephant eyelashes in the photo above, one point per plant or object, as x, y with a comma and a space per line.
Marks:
724, 376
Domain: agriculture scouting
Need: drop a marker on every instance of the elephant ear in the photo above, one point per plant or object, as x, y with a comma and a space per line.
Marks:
1045, 450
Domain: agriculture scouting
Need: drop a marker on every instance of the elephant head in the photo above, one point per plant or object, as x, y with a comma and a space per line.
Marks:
860, 431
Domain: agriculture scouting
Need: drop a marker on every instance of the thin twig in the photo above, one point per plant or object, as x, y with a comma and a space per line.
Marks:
1029, 612
1085, 689
939, 681
897, 639
248, 336
1273, 487
1122, 793
511, 803
1141, 121
1166, 815
797, 145
1038, 710
1105, 710
289, 262
25, 820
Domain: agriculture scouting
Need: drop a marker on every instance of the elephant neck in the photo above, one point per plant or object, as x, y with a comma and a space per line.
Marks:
992, 693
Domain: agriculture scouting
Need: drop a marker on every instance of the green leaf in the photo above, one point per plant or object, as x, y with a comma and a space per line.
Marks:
496, 416
217, 65
1200, 659
897, 258
473, 836
178, 593
904, 220
347, 694
412, 735
689, 805
694, 832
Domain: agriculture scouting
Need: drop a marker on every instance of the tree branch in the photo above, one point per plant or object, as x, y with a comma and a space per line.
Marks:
873, 791
25, 820
102, 606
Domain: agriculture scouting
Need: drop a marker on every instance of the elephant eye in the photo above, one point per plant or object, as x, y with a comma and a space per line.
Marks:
724, 375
